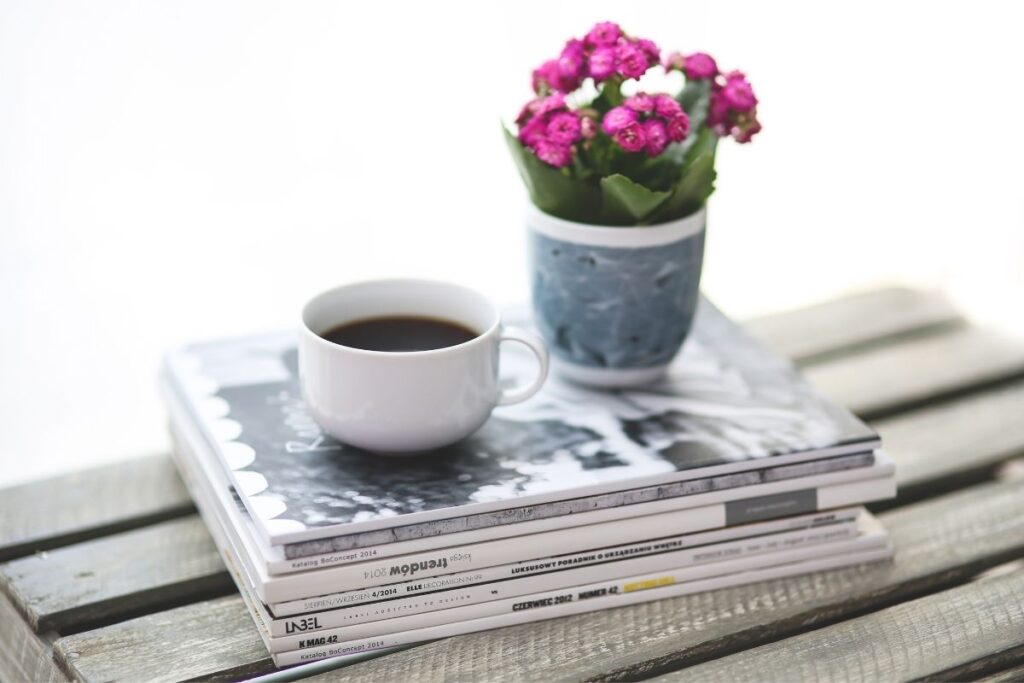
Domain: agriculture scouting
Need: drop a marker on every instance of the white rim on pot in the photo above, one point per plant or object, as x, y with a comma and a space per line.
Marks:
614, 236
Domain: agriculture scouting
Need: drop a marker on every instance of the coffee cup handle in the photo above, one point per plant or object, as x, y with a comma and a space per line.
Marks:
534, 343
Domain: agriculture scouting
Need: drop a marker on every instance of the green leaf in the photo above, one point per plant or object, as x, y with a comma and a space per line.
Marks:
625, 202
696, 179
610, 95
694, 99
554, 190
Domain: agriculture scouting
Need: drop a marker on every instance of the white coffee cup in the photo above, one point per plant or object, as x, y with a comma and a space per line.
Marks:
402, 402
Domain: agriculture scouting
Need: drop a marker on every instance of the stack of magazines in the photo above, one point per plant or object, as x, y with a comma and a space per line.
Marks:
730, 470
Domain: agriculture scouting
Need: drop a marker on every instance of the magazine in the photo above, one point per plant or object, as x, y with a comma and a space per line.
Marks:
712, 555
468, 560
578, 600
412, 597
728, 406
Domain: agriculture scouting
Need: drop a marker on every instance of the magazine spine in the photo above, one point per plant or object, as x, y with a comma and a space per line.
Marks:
793, 498
712, 558
717, 533
612, 594
752, 478
617, 504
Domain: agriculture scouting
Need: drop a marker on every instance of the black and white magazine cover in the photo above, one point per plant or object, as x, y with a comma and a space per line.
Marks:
726, 405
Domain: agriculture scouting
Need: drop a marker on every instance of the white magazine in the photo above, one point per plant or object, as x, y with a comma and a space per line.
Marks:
583, 599
404, 597
704, 561
297, 588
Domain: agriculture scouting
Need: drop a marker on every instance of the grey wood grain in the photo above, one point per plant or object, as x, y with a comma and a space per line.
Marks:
883, 381
24, 656
955, 443
855, 322
211, 640
978, 668
87, 504
940, 542
913, 640
156, 566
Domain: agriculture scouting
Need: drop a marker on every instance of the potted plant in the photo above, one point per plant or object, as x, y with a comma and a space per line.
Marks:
618, 179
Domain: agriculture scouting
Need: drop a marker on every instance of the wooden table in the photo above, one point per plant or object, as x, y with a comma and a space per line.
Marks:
108, 574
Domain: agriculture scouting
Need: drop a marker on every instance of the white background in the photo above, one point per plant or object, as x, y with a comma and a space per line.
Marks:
180, 170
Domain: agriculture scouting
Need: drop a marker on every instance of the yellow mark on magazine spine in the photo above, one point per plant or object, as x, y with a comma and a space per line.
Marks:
649, 583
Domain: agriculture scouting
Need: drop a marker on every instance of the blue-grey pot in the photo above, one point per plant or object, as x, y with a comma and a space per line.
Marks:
614, 304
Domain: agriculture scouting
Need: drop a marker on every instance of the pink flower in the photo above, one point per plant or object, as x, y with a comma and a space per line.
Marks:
737, 93
546, 105
603, 34
601, 63
546, 77
540, 106
551, 76
533, 131
553, 154
699, 65
617, 119
718, 112
538, 116
650, 49
747, 131
563, 128
666, 107
570, 65
674, 62
640, 102
631, 60
678, 127
588, 128
733, 108
631, 138
526, 113
657, 137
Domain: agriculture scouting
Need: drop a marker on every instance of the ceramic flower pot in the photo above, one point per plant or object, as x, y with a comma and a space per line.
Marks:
614, 304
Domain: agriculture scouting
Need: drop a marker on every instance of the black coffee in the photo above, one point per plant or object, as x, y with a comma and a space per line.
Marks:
399, 333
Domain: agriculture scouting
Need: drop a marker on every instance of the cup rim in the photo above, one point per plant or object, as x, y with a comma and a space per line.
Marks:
427, 282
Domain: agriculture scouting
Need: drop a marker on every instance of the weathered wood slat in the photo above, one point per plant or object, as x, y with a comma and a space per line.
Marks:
939, 542
855, 322
131, 571
978, 668
212, 640
24, 656
95, 502
881, 382
1013, 674
956, 443
937, 633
